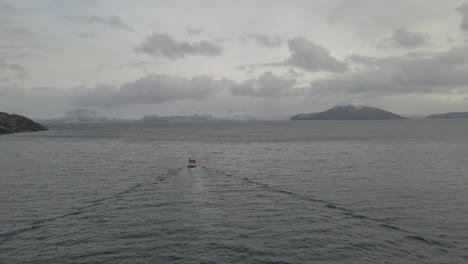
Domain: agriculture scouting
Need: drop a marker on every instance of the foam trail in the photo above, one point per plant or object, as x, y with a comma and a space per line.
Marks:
4, 237
343, 210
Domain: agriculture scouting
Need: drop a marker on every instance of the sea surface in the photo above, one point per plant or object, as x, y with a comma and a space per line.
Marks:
264, 192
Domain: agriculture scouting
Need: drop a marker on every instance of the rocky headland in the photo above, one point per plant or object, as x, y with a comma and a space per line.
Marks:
11, 123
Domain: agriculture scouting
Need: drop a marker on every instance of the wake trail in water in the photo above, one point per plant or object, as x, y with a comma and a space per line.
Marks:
4, 237
383, 223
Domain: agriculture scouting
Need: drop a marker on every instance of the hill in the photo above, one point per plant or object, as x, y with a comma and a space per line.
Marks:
349, 112
196, 118
83, 116
16, 123
452, 115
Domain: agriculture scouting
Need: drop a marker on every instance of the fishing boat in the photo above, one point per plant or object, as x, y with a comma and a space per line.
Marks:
192, 163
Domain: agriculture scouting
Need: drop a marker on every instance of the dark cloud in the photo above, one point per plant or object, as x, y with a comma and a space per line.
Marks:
267, 85
463, 10
309, 56
306, 55
165, 46
405, 39
193, 31
265, 40
157, 89
114, 22
413, 73
151, 89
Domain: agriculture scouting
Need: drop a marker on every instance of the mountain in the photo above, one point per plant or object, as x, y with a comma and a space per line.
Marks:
178, 119
451, 115
349, 112
84, 116
192, 119
16, 123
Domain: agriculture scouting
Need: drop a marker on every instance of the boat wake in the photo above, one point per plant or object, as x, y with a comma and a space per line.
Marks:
88, 206
382, 223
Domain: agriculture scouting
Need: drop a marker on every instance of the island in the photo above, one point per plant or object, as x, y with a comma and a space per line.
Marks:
451, 115
349, 112
11, 123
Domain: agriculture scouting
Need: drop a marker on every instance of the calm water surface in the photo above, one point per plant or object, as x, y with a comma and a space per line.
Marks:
265, 192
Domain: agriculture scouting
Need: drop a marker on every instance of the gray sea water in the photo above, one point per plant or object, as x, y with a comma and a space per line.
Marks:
264, 192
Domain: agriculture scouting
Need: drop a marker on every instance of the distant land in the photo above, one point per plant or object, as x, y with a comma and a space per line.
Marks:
191, 119
91, 116
349, 112
341, 112
83, 116
16, 123
451, 115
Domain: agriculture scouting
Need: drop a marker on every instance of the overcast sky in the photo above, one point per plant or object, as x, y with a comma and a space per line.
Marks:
268, 59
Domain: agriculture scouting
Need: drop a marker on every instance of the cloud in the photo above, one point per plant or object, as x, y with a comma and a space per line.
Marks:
463, 10
265, 40
365, 16
114, 22
370, 17
12, 34
87, 35
151, 89
33, 102
7, 9
405, 39
100, 67
360, 59
312, 57
164, 46
267, 85
413, 73
193, 31
157, 89
306, 55
10, 66
16, 69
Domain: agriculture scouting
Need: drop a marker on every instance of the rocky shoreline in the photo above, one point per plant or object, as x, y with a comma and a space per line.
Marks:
11, 123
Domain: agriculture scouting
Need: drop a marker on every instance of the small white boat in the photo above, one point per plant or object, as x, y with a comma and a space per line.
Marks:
192, 163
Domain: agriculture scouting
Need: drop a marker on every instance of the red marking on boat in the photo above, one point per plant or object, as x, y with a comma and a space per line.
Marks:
192, 166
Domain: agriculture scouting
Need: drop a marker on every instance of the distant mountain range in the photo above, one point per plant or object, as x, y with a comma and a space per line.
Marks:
349, 112
452, 115
176, 119
341, 112
91, 116
191, 119
16, 123
83, 116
